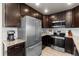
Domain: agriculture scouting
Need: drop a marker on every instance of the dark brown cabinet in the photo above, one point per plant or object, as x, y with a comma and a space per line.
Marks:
36, 14
47, 22
69, 45
68, 19
58, 16
15, 11
16, 50
71, 18
25, 10
12, 15
75, 16
64, 15
47, 40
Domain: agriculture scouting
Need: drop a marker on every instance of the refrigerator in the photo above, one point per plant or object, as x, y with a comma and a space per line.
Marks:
30, 31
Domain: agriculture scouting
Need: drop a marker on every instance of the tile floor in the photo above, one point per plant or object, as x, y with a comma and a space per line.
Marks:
47, 51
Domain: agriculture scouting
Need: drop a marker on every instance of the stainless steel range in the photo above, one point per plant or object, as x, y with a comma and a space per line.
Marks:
59, 41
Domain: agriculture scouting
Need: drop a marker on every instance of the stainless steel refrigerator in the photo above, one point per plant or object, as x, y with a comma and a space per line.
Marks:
31, 32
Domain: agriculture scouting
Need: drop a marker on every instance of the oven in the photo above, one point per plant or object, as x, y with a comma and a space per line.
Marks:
59, 42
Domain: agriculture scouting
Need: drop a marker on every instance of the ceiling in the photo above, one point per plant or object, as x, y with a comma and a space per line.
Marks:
52, 7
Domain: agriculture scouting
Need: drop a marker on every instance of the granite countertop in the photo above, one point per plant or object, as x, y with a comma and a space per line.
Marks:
10, 43
43, 34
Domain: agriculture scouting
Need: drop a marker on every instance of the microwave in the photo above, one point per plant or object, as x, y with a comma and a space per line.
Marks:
59, 24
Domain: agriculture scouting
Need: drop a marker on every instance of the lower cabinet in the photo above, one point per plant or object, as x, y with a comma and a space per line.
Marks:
69, 45
47, 40
16, 50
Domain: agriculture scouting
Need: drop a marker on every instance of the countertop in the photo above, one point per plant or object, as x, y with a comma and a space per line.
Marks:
43, 34
10, 43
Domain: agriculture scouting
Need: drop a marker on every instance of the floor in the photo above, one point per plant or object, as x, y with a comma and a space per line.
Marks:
47, 51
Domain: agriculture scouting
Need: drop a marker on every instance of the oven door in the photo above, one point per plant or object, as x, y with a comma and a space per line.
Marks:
60, 42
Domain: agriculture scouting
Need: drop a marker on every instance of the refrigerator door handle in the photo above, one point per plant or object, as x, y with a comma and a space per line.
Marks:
31, 47
35, 45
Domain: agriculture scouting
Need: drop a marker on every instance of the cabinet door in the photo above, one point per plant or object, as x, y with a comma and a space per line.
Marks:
11, 51
69, 45
34, 13
28, 11
25, 10
47, 40
40, 16
76, 17
12, 15
20, 49
46, 22
69, 19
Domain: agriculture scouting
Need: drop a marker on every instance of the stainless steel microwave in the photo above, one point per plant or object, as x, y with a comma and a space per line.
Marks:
59, 24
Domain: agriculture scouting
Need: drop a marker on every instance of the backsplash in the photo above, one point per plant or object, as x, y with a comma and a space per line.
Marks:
4, 32
75, 31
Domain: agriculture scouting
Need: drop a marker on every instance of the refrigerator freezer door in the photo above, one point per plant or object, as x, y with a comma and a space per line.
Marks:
30, 31
34, 50
38, 29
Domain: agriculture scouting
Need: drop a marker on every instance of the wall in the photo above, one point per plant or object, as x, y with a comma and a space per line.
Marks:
75, 31
4, 32
0, 29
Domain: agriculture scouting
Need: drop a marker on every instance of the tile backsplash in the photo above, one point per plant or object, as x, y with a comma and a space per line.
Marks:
4, 32
75, 31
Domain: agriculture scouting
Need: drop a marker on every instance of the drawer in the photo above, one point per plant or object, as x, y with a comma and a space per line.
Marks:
34, 50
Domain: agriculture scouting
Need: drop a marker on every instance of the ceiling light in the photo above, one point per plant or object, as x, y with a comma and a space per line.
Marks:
35, 14
26, 10
45, 10
37, 4
69, 3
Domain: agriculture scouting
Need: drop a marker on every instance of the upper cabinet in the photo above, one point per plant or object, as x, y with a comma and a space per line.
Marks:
26, 10
12, 15
61, 19
68, 19
47, 22
75, 16
36, 14
71, 18
58, 16
15, 11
